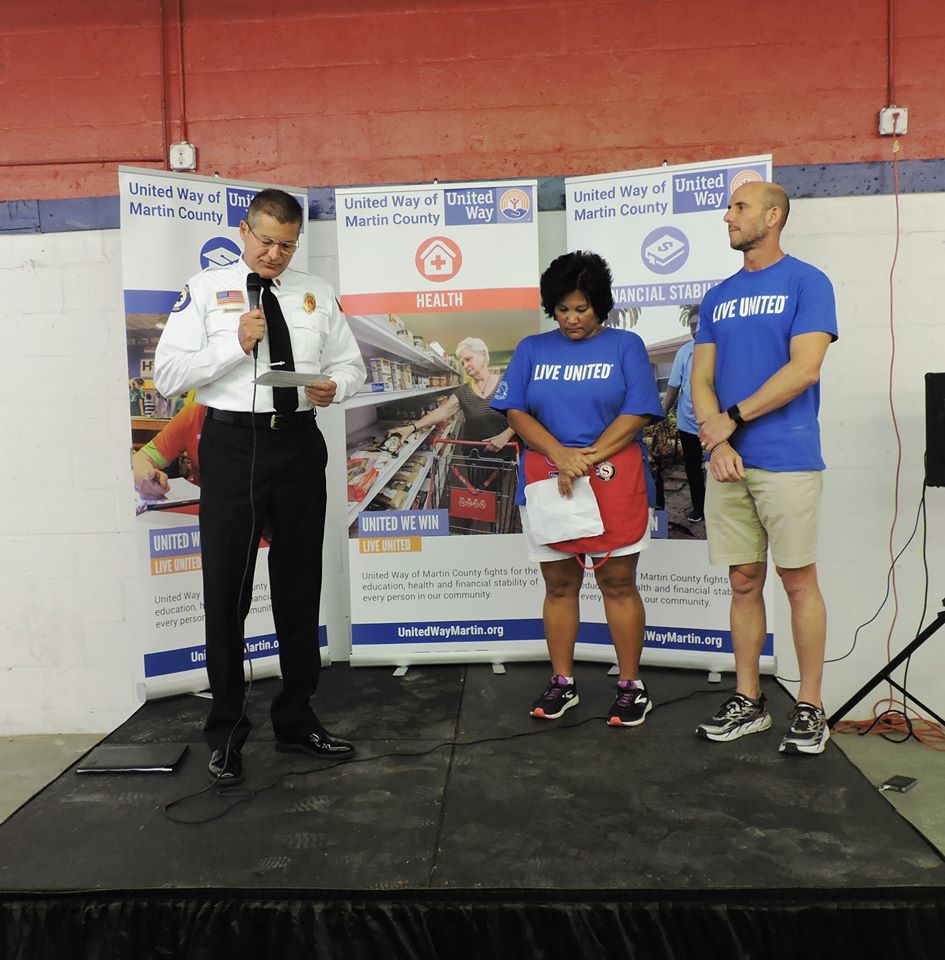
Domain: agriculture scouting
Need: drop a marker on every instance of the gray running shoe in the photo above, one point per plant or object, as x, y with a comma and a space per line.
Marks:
738, 716
809, 732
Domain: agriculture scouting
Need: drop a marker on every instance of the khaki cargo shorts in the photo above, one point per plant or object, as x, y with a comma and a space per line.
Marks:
781, 510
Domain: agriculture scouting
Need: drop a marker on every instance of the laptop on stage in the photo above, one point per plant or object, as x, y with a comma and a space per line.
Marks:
133, 758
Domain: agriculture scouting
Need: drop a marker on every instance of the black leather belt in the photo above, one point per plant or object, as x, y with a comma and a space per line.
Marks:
263, 421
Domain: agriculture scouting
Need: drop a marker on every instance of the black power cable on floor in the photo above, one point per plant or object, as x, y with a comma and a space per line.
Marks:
239, 795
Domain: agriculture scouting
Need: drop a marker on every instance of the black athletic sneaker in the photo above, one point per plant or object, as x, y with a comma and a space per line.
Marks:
738, 716
631, 706
809, 732
696, 517
559, 696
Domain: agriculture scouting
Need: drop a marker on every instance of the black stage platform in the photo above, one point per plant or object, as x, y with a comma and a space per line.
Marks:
577, 841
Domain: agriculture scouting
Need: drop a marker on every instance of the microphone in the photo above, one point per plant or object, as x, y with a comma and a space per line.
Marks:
253, 289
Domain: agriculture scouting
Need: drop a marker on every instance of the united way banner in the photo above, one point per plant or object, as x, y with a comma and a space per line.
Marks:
661, 231
438, 248
173, 226
439, 283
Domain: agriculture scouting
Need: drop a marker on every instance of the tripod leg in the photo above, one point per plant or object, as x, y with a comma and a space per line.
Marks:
884, 673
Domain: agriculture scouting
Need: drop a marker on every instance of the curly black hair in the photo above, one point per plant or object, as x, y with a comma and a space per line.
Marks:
585, 272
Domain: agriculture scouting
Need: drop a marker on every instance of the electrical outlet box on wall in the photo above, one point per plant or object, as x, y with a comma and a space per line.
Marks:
893, 120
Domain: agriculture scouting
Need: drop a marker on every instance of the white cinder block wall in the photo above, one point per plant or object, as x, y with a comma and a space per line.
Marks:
853, 240
67, 552
69, 654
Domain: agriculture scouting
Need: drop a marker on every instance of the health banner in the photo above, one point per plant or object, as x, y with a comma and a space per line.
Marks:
438, 248
439, 283
661, 231
174, 225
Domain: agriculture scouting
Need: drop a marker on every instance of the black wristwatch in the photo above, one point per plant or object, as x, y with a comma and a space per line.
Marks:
735, 414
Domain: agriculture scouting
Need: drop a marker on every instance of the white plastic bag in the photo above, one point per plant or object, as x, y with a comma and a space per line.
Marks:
552, 518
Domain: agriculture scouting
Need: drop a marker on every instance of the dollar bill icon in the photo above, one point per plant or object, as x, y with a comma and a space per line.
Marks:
664, 250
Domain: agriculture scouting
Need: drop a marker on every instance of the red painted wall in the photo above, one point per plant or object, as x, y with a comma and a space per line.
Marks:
317, 92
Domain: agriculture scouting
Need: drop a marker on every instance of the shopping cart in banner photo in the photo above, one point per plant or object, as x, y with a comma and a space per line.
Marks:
476, 486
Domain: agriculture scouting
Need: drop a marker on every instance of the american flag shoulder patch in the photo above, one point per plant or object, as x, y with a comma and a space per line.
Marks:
230, 296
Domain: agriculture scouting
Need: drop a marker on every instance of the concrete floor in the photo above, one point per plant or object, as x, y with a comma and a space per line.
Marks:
29, 763
922, 806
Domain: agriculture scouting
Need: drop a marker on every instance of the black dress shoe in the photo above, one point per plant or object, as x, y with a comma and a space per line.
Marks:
225, 769
318, 744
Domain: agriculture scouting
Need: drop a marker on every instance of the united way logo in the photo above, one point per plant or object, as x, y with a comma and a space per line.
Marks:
438, 259
515, 204
237, 201
665, 250
741, 177
218, 252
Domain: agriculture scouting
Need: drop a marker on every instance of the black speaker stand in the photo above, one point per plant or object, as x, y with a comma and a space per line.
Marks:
884, 674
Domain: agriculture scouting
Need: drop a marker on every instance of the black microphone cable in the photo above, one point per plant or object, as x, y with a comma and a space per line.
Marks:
253, 286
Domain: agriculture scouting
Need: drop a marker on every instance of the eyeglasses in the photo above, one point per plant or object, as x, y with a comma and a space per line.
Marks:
285, 246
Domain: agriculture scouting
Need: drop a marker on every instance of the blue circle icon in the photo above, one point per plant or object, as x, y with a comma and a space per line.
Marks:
219, 252
665, 250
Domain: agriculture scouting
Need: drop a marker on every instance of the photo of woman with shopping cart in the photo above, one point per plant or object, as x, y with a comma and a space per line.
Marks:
579, 397
479, 482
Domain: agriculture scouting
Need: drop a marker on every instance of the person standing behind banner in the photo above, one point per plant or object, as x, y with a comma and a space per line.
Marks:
679, 394
262, 459
756, 368
578, 396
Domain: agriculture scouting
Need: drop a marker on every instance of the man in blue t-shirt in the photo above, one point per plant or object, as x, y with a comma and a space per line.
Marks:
762, 338
679, 393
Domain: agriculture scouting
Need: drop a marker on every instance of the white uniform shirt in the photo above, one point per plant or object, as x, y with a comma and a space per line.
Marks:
200, 344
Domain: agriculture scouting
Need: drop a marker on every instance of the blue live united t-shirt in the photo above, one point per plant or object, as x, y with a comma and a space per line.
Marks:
576, 388
751, 318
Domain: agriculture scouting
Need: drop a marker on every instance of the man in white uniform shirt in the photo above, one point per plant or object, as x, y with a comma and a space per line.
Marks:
262, 461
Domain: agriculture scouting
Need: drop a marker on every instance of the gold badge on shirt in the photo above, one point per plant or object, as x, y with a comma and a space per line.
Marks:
308, 303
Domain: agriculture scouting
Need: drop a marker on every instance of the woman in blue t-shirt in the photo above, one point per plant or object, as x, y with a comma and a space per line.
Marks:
578, 395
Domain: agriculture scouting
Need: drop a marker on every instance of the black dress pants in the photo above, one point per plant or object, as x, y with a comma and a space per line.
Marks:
692, 457
282, 482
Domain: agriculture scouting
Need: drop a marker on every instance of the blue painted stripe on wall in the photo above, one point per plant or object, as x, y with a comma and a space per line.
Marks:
83, 213
19, 216
808, 180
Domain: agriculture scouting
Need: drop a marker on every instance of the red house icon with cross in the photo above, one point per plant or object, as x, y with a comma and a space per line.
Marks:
438, 259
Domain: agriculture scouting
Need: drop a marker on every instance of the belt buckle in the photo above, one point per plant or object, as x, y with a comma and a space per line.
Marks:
274, 422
